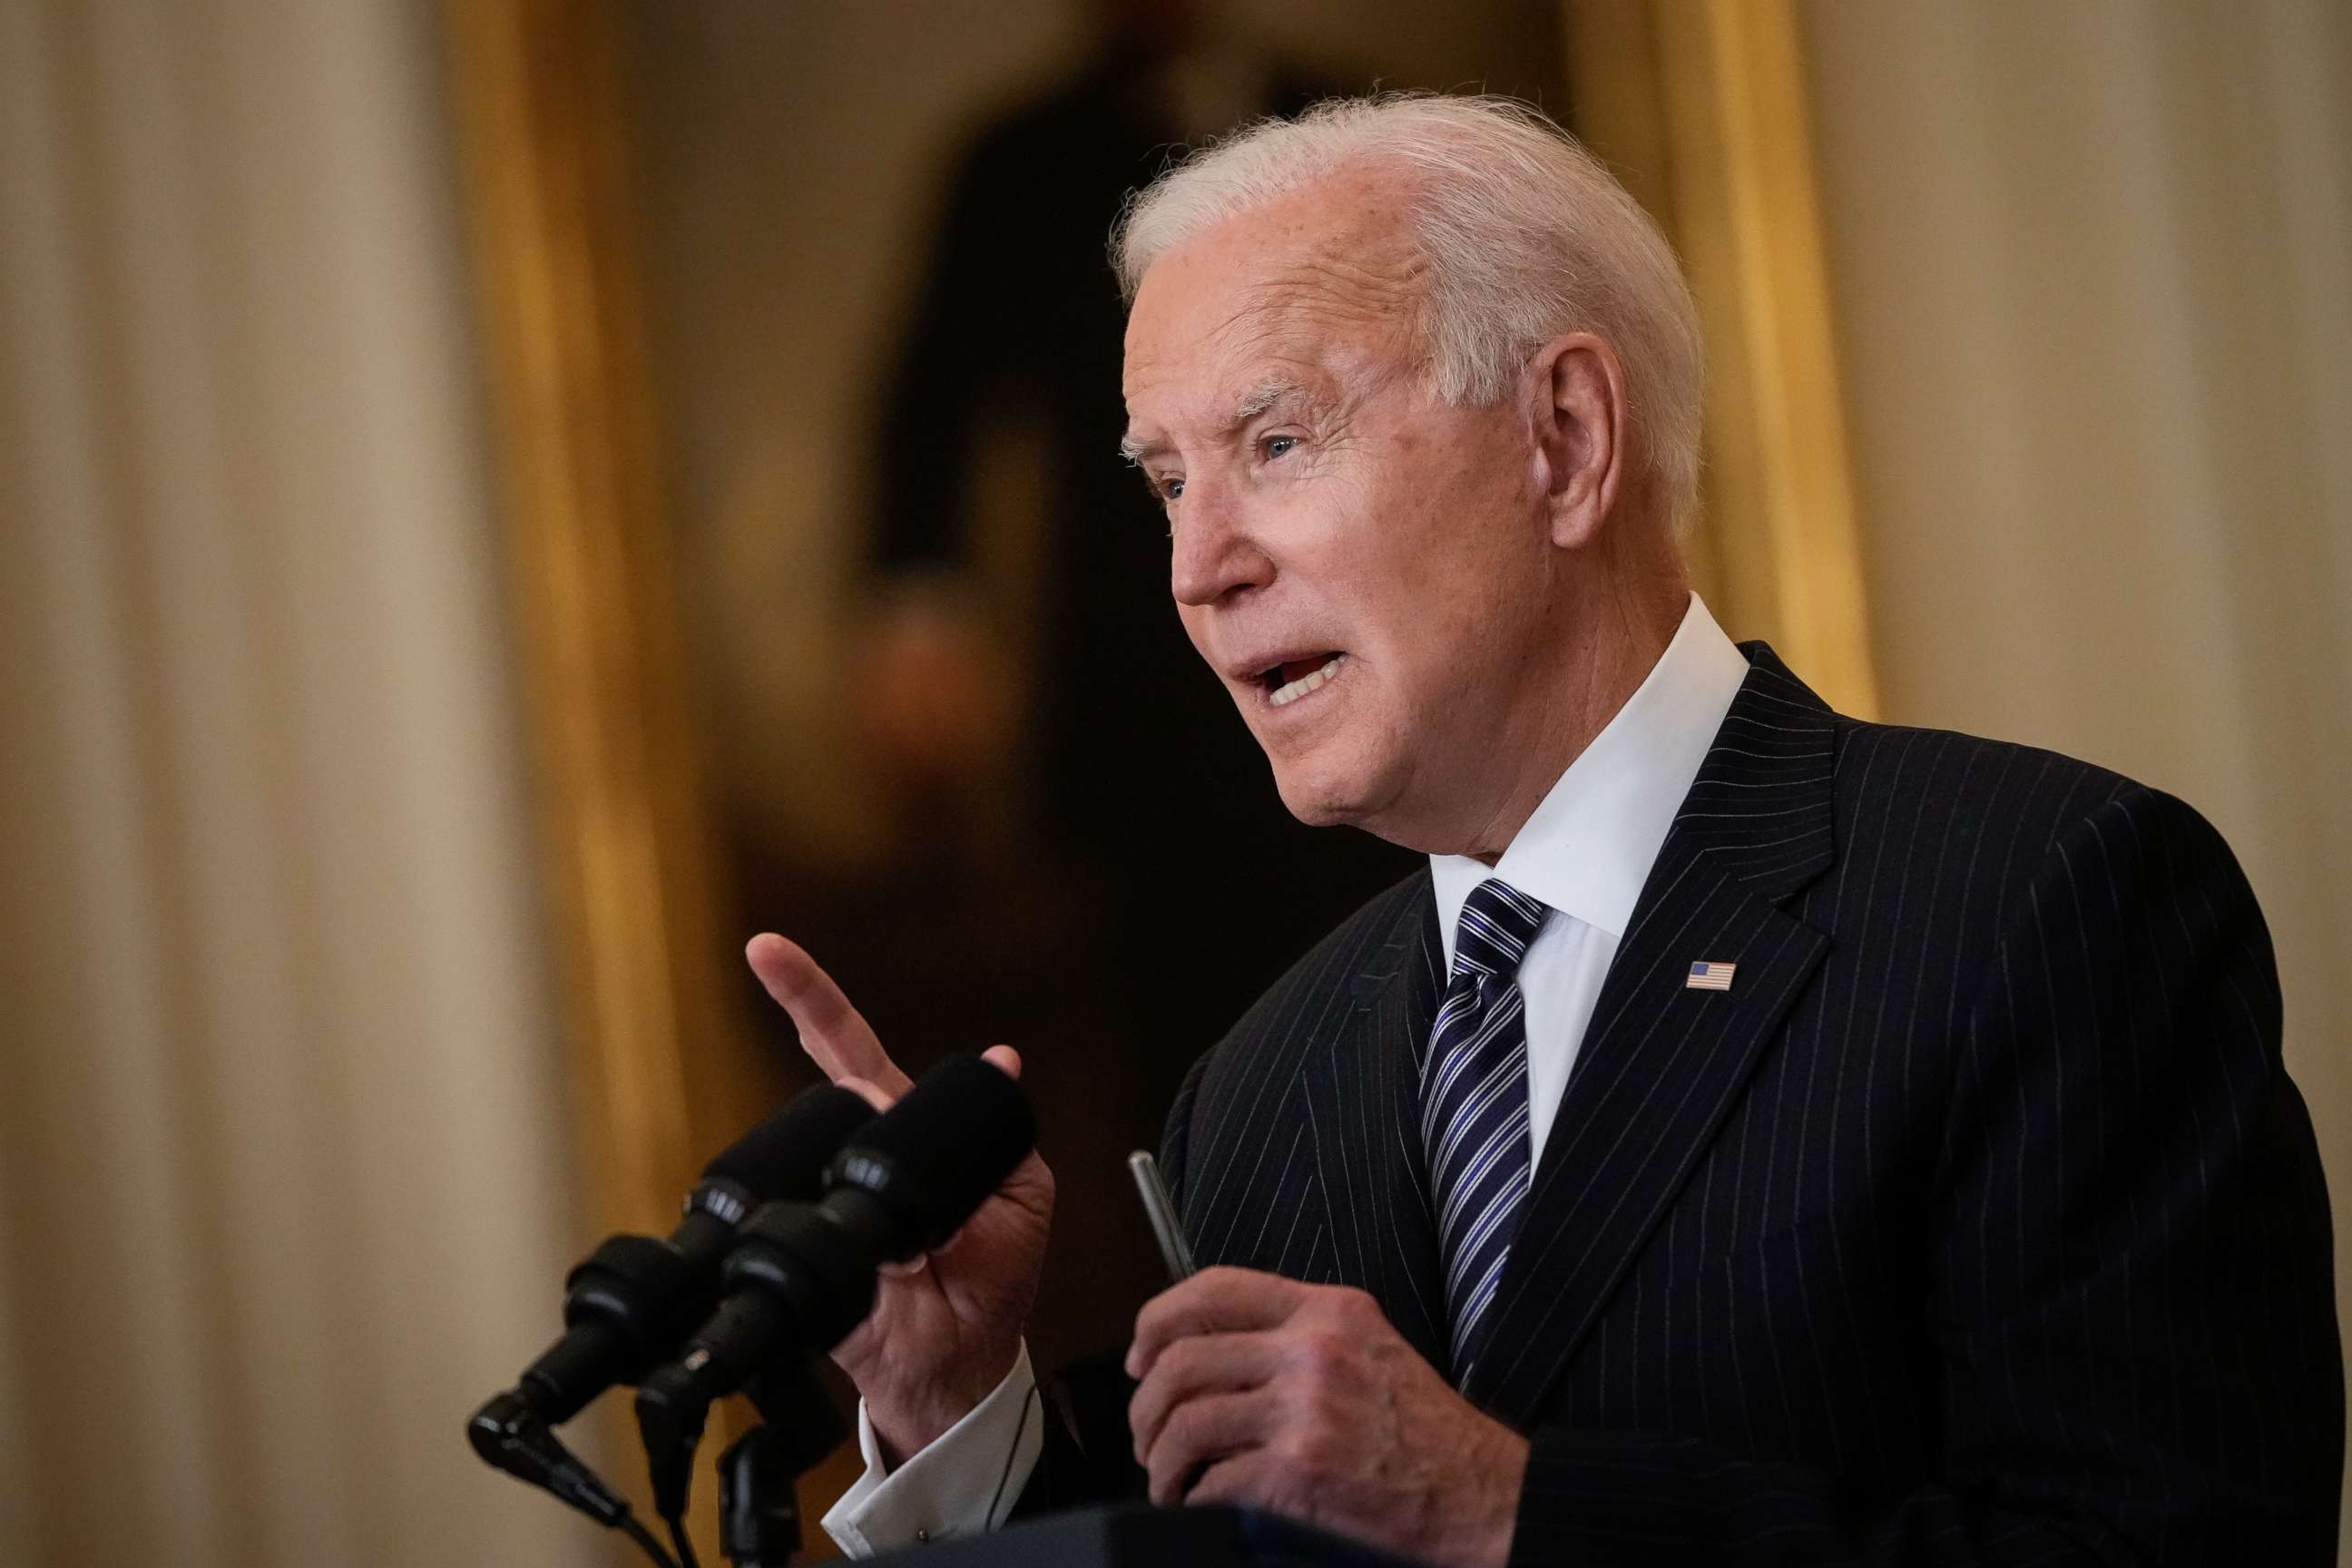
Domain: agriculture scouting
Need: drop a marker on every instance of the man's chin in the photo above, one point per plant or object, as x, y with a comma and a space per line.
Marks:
1320, 802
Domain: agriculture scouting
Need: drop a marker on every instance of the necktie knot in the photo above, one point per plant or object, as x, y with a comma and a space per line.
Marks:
1498, 923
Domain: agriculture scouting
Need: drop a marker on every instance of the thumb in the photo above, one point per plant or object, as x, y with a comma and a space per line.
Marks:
1004, 1060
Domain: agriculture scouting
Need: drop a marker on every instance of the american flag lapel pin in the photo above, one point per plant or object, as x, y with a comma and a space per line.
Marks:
1710, 977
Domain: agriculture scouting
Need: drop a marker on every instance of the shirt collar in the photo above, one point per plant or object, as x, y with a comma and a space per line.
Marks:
1590, 846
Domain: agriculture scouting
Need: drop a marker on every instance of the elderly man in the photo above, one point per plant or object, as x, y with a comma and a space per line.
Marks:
1759, 1134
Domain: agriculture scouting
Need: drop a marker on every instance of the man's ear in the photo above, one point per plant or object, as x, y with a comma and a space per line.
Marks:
1578, 390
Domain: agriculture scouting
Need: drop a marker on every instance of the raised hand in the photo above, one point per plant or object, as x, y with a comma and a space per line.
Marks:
946, 1328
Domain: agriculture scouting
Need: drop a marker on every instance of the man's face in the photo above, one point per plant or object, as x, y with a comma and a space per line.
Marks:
1366, 568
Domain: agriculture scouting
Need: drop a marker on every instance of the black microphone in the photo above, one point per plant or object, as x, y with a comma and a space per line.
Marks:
633, 1297
802, 1274
629, 1301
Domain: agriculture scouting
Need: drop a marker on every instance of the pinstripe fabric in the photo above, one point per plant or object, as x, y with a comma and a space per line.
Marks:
1474, 1107
1978, 1222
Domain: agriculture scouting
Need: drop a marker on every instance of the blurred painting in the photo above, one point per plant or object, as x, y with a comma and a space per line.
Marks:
955, 742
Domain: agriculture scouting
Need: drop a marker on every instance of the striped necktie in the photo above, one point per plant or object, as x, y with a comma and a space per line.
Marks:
1474, 1107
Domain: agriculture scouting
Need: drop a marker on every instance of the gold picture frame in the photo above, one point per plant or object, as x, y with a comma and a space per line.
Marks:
1700, 106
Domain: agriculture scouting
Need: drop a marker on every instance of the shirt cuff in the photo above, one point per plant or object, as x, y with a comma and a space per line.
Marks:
965, 1481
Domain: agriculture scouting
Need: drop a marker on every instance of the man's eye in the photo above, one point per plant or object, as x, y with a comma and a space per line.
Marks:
1171, 487
1277, 446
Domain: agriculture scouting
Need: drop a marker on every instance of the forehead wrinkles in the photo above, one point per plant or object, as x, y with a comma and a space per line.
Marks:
1304, 292
1315, 298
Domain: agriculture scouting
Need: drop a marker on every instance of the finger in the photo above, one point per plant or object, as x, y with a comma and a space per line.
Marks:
1204, 1366
1246, 1476
1216, 1300
867, 1090
1200, 1435
1004, 1060
833, 1033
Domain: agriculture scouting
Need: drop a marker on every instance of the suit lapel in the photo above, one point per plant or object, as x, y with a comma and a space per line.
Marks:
1662, 1064
1362, 1089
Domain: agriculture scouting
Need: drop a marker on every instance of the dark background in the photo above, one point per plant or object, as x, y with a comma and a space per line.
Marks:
960, 747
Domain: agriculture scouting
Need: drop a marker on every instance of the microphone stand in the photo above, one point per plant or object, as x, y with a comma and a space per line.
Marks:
759, 1501
512, 1436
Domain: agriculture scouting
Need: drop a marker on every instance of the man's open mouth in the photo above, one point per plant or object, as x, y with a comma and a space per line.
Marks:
1288, 682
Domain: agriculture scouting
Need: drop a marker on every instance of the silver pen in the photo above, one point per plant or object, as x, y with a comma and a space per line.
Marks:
1166, 1227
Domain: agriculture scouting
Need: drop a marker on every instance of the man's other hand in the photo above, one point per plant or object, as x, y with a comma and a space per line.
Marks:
946, 1328
1302, 1399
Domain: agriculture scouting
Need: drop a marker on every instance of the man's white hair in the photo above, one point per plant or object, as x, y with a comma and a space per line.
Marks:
1524, 235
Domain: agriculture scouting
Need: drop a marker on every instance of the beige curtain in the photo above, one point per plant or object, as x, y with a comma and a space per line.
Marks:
282, 1180
2093, 278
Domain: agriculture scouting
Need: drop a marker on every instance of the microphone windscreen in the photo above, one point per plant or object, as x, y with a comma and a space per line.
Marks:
784, 1158
946, 1146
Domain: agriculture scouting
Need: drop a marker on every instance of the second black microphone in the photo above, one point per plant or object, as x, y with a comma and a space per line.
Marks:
802, 1275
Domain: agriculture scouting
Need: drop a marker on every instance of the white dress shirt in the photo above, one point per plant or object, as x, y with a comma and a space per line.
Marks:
965, 1481
1584, 853
1588, 847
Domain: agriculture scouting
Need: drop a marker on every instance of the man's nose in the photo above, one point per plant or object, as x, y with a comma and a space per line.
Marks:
1213, 553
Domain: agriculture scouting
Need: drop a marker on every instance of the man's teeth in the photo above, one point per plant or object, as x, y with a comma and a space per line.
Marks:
1306, 683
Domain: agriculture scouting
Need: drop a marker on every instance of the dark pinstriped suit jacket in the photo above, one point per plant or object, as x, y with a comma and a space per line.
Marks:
1976, 1222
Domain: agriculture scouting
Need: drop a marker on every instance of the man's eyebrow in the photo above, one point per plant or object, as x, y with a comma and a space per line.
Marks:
1266, 394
